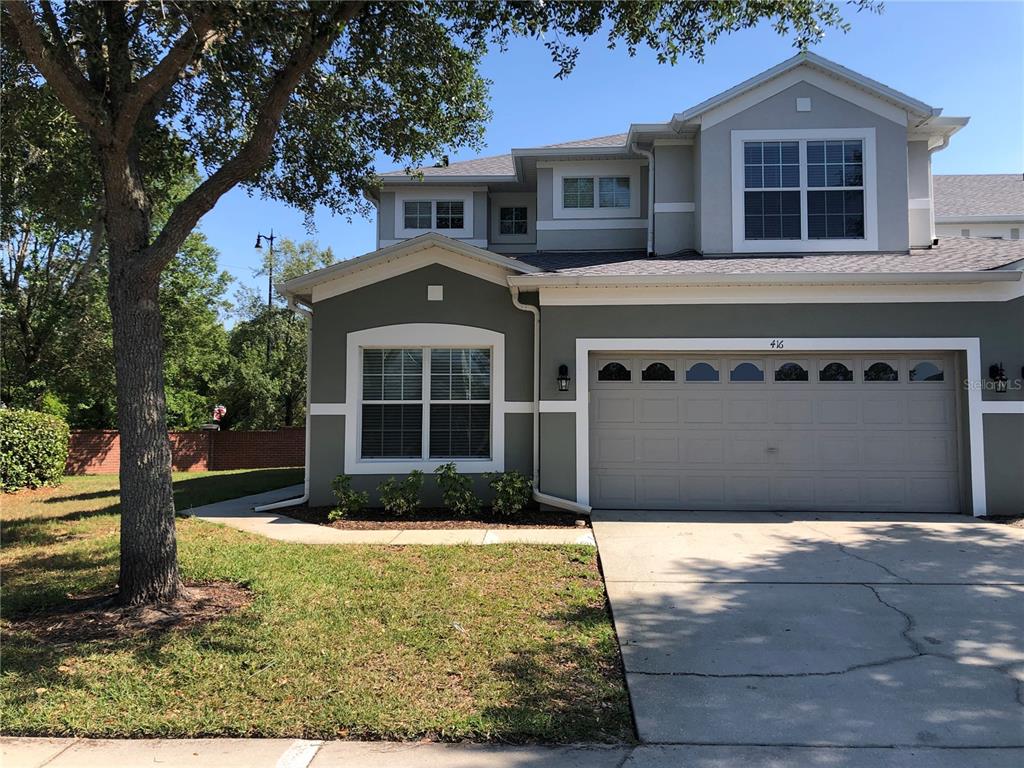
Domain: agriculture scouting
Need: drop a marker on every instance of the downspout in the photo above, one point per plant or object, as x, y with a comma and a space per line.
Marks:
650, 194
538, 496
307, 314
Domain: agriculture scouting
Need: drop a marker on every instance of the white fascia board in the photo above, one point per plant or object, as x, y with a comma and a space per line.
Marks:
406, 181
766, 278
611, 151
820, 63
1008, 218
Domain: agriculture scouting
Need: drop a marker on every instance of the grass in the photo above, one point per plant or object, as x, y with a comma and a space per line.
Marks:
506, 642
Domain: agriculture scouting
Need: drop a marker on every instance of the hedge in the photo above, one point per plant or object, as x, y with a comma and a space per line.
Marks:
33, 449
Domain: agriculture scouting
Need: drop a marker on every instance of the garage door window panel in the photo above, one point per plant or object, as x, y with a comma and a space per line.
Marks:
835, 371
927, 371
791, 371
747, 372
654, 371
881, 371
614, 371
702, 371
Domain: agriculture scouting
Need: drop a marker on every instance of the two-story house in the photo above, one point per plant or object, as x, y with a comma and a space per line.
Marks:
743, 307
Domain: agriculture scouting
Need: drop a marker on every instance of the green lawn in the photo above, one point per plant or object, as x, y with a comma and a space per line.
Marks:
506, 642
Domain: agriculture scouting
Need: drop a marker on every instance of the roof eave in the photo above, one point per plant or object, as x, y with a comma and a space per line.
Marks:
767, 278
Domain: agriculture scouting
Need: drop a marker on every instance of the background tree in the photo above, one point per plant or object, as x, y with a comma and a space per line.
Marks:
293, 100
262, 393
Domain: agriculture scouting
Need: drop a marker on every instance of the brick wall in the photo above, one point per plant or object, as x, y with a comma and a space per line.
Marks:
98, 452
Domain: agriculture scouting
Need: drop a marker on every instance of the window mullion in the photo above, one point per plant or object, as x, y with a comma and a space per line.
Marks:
425, 415
803, 190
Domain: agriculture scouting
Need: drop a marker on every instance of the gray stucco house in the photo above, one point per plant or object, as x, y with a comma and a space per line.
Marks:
743, 307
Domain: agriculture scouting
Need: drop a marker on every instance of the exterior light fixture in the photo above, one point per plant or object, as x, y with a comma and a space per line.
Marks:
997, 373
563, 378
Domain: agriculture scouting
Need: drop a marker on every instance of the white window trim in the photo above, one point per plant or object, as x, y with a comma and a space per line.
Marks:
463, 195
804, 245
423, 335
970, 346
628, 168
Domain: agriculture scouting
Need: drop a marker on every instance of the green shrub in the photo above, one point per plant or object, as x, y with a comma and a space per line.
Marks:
457, 490
512, 492
350, 501
53, 405
33, 449
401, 498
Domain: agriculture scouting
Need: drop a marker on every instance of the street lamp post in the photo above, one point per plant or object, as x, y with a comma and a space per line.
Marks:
270, 280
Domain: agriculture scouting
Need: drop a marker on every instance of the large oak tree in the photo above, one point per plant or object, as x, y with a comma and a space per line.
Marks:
292, 100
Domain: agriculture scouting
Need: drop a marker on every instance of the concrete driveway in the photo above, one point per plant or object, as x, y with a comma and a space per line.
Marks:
831, 631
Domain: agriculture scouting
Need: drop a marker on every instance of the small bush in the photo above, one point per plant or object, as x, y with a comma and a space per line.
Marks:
401, 498
512, 492
33, 449
457, 490
350, 502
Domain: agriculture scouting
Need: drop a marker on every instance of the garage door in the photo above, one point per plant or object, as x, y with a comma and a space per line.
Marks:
840, 432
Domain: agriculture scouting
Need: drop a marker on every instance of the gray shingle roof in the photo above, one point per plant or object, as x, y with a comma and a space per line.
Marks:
501, 165
989, 194
953, 254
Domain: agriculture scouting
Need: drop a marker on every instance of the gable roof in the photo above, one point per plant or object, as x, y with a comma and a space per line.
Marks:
302, 287
820, 63
960, 196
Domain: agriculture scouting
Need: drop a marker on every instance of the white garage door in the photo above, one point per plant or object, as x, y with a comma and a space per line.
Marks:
839, 432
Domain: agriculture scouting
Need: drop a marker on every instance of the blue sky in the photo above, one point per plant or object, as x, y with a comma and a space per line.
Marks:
965, 57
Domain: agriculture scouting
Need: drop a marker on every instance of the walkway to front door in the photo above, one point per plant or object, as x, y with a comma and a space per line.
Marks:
828, 630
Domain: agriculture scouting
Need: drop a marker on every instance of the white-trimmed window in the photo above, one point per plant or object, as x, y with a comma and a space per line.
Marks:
612, 191
447, 211
804, 190
420, 403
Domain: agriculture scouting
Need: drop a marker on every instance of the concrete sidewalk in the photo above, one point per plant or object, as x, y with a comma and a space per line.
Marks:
238, 513
288, 753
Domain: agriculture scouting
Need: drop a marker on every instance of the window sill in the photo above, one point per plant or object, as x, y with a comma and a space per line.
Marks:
427, 466
862, 245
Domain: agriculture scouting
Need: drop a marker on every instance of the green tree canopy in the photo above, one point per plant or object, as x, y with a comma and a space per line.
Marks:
292, 99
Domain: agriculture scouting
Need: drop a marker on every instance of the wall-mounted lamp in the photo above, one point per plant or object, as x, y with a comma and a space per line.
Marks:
997, 373
563, 378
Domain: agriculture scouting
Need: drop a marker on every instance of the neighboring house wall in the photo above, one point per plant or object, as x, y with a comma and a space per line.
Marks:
390, 213
1005, 230
996, 324
779, 113
674, 198
468, 301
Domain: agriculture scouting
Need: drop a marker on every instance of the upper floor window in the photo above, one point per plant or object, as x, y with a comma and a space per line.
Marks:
803, 190
447, 213
450, 214
418, 214
512, 220
577, 192
612, 191
835, 190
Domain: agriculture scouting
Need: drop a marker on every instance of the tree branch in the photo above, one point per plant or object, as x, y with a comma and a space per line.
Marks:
256, 150
55, 64
190, 45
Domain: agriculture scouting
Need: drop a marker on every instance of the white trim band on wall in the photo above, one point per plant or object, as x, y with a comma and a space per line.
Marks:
971, 346
569, 224
1005, 406
675, 207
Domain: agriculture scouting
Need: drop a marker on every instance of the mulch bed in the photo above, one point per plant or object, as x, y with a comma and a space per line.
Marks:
98, 617
435, 519
1014, 521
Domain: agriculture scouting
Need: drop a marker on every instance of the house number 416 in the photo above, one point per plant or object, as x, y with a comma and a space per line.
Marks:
778, 344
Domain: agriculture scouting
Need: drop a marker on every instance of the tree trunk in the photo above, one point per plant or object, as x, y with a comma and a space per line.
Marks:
149, 555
